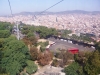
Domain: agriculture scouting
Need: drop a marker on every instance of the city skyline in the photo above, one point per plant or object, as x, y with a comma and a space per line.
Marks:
38, 6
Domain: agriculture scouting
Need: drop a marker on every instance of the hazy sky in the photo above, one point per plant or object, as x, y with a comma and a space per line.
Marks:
40, 5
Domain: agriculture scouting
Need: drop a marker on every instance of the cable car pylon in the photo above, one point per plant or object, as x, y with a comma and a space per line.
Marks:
18, 36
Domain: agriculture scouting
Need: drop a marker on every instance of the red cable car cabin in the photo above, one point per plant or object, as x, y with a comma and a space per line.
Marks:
73, 51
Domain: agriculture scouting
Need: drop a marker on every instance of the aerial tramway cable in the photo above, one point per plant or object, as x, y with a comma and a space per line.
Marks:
49, 7
10, 8
52, 6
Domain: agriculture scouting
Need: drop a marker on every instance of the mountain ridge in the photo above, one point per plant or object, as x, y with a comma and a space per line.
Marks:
61, 12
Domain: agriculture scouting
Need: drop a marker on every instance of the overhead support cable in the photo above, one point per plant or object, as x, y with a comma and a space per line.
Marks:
51, 6
10, 8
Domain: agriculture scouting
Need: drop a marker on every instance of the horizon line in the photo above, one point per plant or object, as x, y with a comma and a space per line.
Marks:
49, 11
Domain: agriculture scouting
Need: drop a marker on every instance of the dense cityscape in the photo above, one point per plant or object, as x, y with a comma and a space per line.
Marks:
78, 23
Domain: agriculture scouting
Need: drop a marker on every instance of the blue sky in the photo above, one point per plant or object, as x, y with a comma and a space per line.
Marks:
40, 5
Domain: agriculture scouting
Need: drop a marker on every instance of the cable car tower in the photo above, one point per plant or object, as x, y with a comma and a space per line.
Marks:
18, 36
16, 24
16, 29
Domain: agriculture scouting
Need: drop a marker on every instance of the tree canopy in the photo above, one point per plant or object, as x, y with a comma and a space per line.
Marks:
31, 67
72, 69
4, 33
15, 54
34, 53
43, 31
92, 66
5, 29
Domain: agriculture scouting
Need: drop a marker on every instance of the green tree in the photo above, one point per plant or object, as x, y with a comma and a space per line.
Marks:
25, 30
6, 26
92, 66
42, 48
75, 37
97, 46
31, 67
30, 34
72, 69
64, 33
45, 32
43, 45
28, 30
1, 43
15, 54
4, 33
